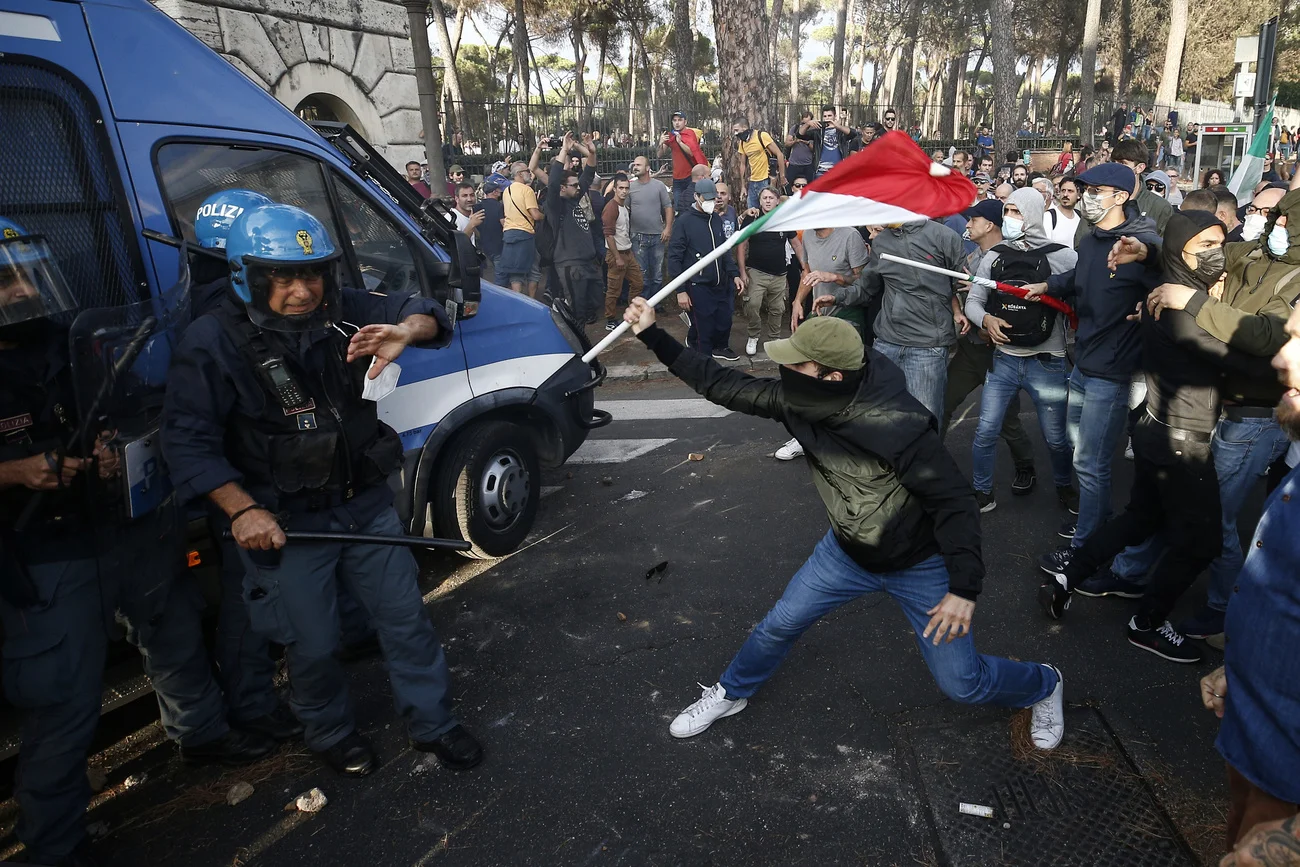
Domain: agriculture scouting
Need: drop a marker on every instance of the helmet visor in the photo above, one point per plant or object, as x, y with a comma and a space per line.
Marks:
294, 296
31, 285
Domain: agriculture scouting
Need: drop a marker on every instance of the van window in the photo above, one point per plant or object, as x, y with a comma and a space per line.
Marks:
382, 250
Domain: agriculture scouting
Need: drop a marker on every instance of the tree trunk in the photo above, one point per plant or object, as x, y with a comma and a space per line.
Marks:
521, 66
1027, 92
794, 52
684, 49
862, 69
1088, 74
1059, 78
1168, 91
743, 71
948, 126
461, 14
907, 65
1125, 48
450, 75
580, 79
778, 9
837, 51
1004, 77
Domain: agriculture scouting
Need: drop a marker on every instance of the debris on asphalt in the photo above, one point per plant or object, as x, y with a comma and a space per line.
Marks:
97, 830
309, 802
695, 456
632, 495
622, 618
607, 481
238, 792
975, 810
134, 780
657, 569
98, 779
1006, 826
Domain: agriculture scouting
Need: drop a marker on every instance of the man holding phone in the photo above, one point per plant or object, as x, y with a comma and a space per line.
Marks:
683, 142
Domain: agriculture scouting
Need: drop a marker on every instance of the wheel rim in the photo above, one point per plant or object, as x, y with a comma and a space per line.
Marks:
503, 490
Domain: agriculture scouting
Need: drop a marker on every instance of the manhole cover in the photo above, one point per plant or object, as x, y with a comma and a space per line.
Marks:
1083, 804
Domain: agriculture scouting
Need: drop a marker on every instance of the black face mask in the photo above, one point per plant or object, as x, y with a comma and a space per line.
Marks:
1210, 265
27, 333
818, 399
741, 136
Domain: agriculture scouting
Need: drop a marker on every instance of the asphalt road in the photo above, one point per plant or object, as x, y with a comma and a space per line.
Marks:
569, 665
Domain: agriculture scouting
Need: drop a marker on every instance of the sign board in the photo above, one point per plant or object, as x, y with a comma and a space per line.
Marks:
1243, 85
1226, 128
1247, 49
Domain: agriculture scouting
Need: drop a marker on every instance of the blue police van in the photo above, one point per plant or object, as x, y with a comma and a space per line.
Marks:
116, 124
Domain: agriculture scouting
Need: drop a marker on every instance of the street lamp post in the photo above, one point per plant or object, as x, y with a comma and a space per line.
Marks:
427, 85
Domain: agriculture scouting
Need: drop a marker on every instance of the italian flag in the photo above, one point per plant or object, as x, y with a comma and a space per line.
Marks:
1248, 174
889, 182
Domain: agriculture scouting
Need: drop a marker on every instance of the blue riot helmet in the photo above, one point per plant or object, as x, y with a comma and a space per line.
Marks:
218, 213
32, 288
285, 268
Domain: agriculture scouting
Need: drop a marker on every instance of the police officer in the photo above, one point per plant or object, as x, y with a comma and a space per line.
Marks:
264, 417
60, 580
245, 668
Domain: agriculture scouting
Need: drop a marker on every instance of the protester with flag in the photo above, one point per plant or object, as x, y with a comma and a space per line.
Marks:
903, 518
1251, 171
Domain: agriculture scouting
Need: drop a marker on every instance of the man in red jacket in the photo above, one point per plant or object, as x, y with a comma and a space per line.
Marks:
683, 142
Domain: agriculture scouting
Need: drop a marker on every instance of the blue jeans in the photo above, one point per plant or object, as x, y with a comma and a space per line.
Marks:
295, 603
926, 370
1243, 451
1046, 384
649, 252
1095, 420
756, 187
683, 194
713, 307
830, 578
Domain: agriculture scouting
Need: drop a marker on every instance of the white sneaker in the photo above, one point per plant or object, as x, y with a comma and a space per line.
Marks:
1047, 726
789, 451
713, 705
751, 346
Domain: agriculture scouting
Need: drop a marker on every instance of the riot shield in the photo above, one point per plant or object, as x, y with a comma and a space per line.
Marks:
120, 357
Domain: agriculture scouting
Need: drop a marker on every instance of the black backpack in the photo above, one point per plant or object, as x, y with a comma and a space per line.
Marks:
1031, 322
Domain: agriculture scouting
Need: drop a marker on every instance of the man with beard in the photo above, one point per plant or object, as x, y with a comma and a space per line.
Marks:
1256, 692
1019, 176
903, 519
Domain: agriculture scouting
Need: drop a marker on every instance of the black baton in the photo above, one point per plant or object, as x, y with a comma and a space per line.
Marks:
367, 539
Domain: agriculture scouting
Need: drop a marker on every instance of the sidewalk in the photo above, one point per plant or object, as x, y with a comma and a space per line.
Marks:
629, 361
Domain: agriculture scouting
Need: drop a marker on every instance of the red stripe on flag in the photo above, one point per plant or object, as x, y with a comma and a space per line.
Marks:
894, 170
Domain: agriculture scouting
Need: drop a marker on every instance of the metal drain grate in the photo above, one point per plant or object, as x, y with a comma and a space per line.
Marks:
1086, 806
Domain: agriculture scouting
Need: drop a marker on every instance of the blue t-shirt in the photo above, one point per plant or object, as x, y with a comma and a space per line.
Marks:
830, 150
729, 221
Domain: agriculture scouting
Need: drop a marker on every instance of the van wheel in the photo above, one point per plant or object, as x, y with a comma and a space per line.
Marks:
486, 491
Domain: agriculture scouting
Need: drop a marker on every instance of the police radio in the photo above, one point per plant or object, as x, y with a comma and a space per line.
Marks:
283, 385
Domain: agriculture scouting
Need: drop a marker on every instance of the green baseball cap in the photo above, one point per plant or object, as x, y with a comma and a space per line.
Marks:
832, 343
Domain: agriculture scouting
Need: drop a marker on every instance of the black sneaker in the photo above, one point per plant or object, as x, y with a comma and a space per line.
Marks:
1053, 597
1110, 584
1024, 481
1164, 641
725, 353
987, 501
1069, 498
610, 324
351, 757
1054, 562
1067, 528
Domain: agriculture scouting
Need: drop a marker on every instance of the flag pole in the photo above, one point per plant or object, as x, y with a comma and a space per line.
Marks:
684, 277
925, 266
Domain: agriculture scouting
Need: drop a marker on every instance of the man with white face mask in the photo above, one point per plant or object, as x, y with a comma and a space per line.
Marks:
710, 298
1257, 212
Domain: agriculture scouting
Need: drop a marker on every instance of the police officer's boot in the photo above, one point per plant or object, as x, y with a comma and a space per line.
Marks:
455, 748
352, 757
278, 725
235, 747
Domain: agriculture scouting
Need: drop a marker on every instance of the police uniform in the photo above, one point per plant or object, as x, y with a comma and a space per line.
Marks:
304, 445
64, 579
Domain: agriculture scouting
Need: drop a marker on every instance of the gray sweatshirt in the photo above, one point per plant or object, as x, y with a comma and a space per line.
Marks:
916, 308
1030, 203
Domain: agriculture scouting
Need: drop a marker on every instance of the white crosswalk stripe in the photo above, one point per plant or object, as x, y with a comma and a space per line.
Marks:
644, 410
615, 451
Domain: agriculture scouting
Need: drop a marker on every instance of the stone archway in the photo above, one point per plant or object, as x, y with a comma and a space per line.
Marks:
326, 90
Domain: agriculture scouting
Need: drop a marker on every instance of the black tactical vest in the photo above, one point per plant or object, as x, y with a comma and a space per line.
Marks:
314, 441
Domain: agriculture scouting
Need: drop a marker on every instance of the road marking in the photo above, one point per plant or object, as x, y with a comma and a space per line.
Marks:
547, 490
615, 451
643, 410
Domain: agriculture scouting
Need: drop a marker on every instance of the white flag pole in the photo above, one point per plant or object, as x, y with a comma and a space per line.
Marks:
925, 266
682, 278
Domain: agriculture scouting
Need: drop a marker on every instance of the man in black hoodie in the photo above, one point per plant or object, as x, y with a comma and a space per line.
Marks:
903, 518
1175, 488
710, 300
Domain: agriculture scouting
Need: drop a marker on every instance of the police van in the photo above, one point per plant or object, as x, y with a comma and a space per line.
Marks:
116, 124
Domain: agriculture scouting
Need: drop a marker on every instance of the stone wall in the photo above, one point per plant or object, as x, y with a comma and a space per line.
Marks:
354, 55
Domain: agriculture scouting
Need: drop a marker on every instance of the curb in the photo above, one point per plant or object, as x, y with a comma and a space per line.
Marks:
656, 370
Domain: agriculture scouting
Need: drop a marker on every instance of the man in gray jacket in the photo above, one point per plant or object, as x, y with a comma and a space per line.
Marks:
919, 315
1020, 359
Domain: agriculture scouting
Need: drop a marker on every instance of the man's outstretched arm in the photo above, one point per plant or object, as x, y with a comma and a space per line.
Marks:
726, 387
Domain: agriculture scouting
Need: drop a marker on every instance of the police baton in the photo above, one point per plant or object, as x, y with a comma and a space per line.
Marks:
121, 366
368, 539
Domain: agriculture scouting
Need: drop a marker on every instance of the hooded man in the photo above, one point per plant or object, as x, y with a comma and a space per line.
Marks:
1175, 487
902, 517
1032, 360
710, 298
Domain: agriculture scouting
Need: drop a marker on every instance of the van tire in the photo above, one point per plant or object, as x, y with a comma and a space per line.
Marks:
487, 489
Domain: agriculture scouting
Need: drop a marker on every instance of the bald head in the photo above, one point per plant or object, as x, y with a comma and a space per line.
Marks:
1266, 200
1003, 192
699, 173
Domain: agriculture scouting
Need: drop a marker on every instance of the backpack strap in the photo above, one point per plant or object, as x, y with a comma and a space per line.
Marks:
1052, 214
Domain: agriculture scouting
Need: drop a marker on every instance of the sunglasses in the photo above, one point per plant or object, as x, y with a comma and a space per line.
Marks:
1156, 187
798, 186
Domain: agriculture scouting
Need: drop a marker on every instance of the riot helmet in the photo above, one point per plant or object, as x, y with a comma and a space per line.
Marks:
31, 286
219, 211
285, 268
